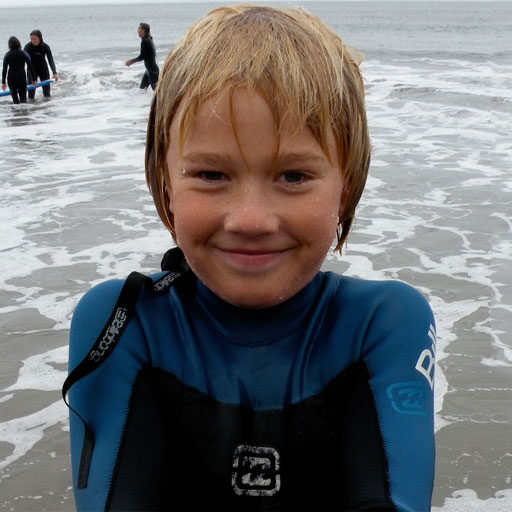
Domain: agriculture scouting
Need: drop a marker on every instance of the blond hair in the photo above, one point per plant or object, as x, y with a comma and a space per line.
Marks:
299, 65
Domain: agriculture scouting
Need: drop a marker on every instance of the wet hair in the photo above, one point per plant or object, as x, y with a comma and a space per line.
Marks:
38, 34
14, 43
290, 57
145, 27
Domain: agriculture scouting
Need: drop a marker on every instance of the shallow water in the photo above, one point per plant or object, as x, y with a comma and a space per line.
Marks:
436, 213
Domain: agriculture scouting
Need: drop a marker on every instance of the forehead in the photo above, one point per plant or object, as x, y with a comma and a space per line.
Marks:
243, 118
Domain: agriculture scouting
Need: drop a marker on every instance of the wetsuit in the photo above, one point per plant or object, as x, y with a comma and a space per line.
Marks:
39, 54
323, 402
148, 55
15, 60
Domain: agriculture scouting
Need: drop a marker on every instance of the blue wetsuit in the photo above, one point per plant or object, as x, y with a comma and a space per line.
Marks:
323, 402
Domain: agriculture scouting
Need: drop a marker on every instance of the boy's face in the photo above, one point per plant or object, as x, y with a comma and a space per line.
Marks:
254, 230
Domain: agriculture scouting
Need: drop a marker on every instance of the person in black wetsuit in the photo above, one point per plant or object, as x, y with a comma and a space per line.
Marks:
39, 51
15, 60
148, 55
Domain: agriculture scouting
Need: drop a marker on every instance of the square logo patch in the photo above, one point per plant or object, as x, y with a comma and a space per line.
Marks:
255, 471
409, 397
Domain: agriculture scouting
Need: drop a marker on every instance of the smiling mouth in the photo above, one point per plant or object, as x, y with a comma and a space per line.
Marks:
257, 260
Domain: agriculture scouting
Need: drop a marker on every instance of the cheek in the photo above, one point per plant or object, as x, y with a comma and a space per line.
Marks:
192, 222
319, 220
322, 234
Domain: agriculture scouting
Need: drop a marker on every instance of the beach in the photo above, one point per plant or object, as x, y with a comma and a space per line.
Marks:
436, 213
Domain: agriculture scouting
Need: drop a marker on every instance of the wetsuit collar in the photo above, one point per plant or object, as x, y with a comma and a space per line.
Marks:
256, 327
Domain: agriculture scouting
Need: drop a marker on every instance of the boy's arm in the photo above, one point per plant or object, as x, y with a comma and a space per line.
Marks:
399, 353
102, 397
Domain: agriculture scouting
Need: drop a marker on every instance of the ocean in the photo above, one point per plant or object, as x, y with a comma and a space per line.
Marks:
436, 213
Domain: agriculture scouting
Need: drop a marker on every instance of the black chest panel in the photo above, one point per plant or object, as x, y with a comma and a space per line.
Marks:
183, 450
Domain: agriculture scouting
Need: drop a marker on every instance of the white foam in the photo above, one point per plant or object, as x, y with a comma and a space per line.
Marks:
466, 500
23, 433
37, 371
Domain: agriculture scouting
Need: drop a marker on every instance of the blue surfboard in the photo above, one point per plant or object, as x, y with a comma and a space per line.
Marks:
29, 87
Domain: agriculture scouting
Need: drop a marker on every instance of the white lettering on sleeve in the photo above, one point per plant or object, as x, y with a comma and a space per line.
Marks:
427, 359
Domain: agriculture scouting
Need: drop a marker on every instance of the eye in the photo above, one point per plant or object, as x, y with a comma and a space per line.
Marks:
211, 175
293, 177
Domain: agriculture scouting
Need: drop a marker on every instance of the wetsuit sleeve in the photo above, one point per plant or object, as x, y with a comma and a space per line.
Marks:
4, 68
143, 49
49, 56
30, 66
399, 353
101, 397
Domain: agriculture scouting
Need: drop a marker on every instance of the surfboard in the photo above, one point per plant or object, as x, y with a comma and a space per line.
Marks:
29, 87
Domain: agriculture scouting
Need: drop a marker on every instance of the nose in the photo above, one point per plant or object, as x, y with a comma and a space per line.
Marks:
251, 213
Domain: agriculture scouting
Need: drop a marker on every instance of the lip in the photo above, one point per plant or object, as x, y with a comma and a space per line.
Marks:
252, 260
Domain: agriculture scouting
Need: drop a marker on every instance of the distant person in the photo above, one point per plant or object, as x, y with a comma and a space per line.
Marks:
15, 60
148, 55
39, 51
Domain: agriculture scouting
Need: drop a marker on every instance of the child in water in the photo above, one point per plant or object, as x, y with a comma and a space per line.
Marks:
13, 69
255, 381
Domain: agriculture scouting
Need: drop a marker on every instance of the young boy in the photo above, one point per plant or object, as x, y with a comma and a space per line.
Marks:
255, 382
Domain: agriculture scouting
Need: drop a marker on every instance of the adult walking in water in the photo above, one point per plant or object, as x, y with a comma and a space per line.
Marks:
39, 51
148, 55
14, 61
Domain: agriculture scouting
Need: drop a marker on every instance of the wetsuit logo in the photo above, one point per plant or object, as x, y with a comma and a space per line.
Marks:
255, 471
163, 284
409, 397
110, 335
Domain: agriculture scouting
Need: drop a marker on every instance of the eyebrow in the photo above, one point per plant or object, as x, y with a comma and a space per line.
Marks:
292, 157
208, 157
301, 157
